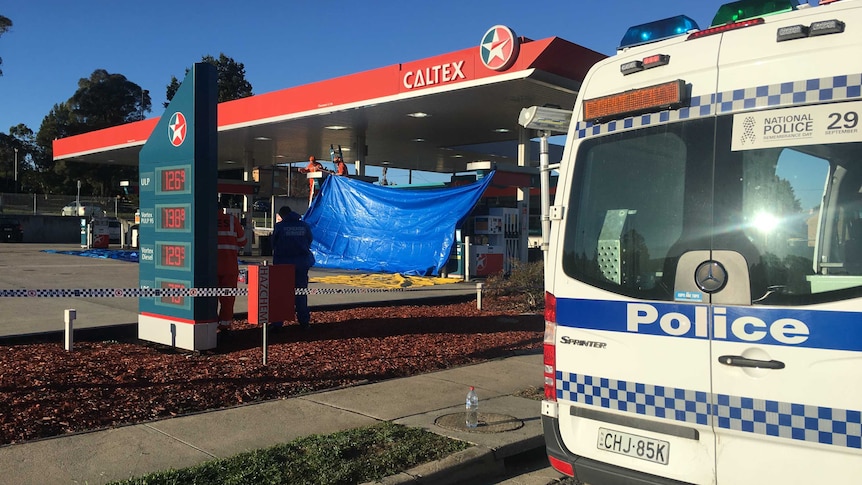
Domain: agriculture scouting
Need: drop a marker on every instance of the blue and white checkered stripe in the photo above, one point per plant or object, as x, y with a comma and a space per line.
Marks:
809, 91
791, 93
700, 106
645, 399
803, 422
839, 427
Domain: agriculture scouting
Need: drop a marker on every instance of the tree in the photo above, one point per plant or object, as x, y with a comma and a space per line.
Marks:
104, 100
55, 177
101, 101
231, 80
5, 25
7, 149
21, 142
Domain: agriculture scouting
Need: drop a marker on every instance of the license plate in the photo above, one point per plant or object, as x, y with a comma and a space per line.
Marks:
656, 451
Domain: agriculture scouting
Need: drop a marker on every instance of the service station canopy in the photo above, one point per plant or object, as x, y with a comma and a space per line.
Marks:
436, 114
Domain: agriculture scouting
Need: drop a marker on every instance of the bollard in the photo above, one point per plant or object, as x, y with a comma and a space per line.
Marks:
479, 287
466, 253
263, 311
69, 319
265, 327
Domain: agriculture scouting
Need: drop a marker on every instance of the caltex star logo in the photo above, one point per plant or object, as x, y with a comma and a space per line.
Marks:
177, 129
481, 262
499, 48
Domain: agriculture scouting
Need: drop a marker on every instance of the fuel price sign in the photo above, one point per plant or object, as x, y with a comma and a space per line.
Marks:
177, 233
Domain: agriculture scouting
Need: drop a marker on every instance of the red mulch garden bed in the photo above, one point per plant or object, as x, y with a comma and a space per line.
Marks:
47, 391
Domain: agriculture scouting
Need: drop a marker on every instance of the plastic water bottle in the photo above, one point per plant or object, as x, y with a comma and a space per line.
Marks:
472, 406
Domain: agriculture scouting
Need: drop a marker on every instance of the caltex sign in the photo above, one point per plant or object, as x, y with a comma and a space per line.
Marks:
499, 48
177, 129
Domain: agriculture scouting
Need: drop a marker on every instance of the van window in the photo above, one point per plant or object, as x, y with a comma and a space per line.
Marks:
781, 195
629, 208
643, 198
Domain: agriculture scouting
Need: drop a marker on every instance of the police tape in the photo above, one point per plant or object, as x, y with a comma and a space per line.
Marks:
171, 292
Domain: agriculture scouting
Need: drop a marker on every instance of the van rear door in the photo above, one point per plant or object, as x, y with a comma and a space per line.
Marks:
633, 357
783, 359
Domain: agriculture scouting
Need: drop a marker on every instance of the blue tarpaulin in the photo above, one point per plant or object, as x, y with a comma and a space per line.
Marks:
366, 227
119, 254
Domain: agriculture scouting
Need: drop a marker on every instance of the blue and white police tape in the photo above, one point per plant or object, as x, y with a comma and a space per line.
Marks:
166, 292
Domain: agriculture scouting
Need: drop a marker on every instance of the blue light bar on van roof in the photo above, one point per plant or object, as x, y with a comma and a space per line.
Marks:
658, 30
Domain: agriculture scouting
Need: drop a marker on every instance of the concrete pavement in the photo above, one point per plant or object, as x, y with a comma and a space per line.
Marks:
432, 401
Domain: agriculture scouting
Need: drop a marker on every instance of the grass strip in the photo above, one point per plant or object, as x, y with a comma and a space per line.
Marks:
352, 456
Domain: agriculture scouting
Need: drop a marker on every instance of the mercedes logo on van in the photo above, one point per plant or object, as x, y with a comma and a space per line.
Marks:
710, 276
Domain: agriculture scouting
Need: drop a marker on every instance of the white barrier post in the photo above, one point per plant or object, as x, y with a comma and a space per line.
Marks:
479, 287
69, 319
466, 259
263, 306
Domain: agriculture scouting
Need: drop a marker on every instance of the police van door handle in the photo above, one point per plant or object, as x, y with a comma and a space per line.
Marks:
740, 361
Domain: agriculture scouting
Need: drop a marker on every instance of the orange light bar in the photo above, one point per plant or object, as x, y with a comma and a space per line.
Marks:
670, 95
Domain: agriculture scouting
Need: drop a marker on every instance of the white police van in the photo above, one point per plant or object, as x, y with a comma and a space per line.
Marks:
704, 271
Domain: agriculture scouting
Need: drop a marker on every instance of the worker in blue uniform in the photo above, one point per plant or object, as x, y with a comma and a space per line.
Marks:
291, 244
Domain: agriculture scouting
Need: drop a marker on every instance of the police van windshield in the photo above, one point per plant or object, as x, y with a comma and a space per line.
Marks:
642, 198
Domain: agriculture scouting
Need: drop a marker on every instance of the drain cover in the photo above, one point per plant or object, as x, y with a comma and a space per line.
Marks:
488, 423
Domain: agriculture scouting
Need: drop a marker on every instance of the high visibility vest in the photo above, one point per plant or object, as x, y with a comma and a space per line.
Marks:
231, 239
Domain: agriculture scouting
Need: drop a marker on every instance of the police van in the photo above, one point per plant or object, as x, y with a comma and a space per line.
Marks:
704, 268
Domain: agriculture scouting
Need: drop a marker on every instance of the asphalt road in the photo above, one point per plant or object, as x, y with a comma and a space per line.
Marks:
29, 266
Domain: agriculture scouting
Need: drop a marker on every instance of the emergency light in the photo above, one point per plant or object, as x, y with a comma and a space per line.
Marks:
725, 28
658, 30
671, 95
822, 27
749, 9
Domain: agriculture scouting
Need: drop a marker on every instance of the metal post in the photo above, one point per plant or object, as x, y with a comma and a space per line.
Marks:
69, 319
479, 287
467, 258
265, 315
265, 326
545, 184
16, 170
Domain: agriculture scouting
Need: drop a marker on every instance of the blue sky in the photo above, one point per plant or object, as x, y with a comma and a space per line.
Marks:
282, 44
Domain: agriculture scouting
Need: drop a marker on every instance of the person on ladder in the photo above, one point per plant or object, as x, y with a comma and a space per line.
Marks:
340, 166
313, 184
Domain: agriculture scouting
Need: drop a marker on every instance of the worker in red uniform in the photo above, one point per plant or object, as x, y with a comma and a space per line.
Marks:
231, 240
313, 184
340, 166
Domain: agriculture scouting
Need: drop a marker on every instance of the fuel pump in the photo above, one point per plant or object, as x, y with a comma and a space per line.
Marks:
497, 241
